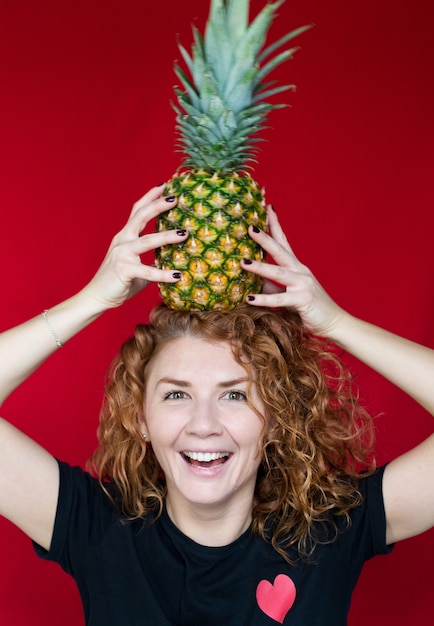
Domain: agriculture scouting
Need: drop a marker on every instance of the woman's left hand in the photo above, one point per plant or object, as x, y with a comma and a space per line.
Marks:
289, 283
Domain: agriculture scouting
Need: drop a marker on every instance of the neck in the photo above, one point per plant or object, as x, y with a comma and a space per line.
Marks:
210, 525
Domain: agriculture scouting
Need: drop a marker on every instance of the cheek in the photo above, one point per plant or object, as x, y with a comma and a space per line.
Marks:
252, 435
154, 423
161, 445
163, 430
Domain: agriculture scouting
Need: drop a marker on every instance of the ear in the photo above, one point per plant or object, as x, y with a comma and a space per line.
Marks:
143, 428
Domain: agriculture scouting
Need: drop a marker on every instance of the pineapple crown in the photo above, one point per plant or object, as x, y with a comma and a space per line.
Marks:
223, 101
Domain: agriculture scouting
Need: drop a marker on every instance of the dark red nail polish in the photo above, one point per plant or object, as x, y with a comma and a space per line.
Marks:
251, 298
161, 184
177, 275
255, 229
247, 261
181, 232
170, 198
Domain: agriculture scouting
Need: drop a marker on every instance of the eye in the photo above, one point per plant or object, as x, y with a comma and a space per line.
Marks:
175, 395
239, 396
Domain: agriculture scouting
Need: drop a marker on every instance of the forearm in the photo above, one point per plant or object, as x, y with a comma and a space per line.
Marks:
408, 365
120, 276
25, 347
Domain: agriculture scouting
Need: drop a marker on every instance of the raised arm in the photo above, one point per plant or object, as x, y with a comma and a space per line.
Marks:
120, 276
409, 480
385, 352
28, 474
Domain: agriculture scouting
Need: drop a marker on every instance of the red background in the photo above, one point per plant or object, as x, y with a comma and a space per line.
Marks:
86, 128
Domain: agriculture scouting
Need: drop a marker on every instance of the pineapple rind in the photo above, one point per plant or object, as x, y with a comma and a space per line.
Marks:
210, 259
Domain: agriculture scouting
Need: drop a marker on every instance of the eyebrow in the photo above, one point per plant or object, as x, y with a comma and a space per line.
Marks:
185, 383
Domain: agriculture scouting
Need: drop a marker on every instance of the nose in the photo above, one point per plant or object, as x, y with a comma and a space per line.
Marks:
204, 420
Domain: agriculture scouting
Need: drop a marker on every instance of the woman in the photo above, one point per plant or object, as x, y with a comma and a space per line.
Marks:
230, 446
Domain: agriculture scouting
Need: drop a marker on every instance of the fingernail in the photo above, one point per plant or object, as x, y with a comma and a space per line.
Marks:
255, 229
247, 261
177, 275
161, 184
272, 208
170, 198
251, 298
181, 232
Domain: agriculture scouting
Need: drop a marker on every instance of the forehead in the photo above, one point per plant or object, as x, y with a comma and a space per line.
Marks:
196, 357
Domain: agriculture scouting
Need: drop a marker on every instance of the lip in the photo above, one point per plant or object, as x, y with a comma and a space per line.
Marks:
203, 456
206, 455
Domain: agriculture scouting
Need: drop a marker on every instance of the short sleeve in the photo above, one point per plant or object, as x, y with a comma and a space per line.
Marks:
83, 514
374, 503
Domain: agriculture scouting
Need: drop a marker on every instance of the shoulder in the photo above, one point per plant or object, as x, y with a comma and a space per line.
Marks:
75, 483
86, 507
368, 520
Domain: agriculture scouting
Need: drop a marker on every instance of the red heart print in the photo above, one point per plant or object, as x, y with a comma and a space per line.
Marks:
276, 600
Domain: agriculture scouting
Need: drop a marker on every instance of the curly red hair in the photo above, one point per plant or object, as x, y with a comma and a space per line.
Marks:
318, 437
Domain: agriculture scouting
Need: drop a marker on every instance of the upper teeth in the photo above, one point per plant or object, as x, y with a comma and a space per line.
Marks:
205, 456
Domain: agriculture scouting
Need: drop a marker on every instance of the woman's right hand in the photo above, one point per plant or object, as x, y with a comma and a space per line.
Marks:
122, 274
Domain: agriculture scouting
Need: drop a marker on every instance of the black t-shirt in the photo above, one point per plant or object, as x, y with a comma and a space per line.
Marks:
149, 573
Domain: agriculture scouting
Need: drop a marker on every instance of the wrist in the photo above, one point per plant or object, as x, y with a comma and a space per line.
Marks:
343, 329
90, 304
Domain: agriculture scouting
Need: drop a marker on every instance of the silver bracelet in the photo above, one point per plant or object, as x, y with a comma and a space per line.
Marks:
51, 329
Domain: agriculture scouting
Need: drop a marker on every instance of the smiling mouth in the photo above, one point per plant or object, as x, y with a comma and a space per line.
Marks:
205, 459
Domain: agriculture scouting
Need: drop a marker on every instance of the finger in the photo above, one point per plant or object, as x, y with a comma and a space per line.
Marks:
150, 273
138, 284
280, 251
145, 243
276, 231
129, 272
282, 254
153, 194
127, 253
270, 287
144, 213
280, 274
275, 300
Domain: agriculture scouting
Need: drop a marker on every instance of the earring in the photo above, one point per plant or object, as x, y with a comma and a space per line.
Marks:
144, 435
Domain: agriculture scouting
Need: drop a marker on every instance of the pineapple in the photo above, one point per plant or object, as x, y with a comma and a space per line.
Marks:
220, 108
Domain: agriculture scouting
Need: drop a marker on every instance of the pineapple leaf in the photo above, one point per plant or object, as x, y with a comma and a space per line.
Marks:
261, 95
282, 41
262, 85
216, 108
210, 129
241, 95
217, 45
188, 86
209, 91
244, 69
222, 100
237, 18
258, 28
286, 55
253, 116
187, 58
238, 91
199, 43
248, 127
227, 124
199, 63
204, 125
